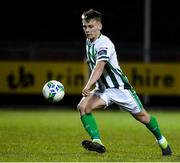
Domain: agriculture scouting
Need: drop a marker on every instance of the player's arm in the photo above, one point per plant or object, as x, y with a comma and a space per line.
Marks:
95, 75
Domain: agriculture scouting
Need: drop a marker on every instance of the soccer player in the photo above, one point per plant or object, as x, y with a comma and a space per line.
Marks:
112, 86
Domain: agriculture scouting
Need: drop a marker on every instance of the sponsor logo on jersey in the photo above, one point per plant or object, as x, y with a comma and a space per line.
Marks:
102, 52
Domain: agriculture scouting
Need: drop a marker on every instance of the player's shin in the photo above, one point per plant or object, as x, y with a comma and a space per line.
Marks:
90, 125
154, 127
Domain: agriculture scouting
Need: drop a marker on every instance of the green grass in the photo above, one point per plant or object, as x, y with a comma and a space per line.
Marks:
56, 135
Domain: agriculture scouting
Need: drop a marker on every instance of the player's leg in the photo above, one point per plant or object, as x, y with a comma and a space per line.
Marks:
85, 107
129, 100
151, 123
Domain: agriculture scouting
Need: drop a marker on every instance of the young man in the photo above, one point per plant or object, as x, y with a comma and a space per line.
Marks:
112, 86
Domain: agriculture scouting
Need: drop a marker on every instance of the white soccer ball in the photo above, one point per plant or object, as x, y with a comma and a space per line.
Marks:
53, 91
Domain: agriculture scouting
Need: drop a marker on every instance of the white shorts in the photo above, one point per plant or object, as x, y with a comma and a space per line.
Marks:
125, 98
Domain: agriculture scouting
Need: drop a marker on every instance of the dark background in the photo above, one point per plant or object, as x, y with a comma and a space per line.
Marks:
123, 21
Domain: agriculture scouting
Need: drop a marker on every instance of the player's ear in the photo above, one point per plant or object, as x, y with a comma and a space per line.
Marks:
99, 26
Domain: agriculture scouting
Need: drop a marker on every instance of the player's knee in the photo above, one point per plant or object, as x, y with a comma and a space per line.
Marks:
83, 109
143, 120
143, 117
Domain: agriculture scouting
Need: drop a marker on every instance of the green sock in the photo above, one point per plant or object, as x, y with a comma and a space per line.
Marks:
89, 124
154, 128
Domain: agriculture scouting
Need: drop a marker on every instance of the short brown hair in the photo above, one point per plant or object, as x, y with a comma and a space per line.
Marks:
91, 14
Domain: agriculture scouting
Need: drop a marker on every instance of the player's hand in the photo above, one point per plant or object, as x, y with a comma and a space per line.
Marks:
86, 91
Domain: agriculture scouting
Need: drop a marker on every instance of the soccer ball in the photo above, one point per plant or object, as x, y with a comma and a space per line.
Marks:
53, 91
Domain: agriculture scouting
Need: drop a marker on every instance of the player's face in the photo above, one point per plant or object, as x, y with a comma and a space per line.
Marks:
92, 29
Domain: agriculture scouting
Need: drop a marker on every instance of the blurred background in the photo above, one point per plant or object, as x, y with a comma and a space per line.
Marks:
44, 41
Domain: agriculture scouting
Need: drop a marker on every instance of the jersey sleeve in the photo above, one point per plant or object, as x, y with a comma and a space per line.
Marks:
102, 52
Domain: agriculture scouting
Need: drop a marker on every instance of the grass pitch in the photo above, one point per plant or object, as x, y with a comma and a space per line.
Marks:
56, 135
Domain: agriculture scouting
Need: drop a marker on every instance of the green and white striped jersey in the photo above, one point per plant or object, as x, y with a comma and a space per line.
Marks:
102, 49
